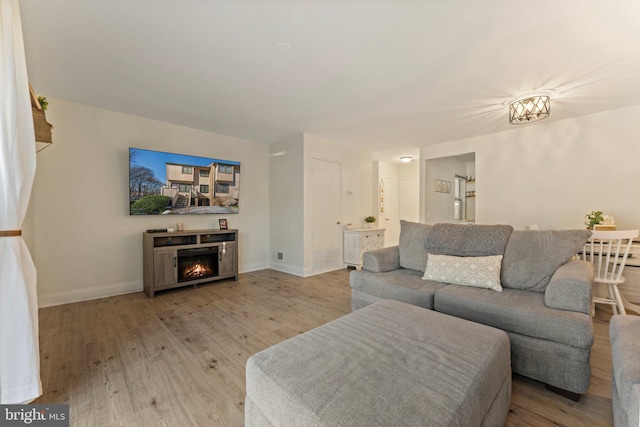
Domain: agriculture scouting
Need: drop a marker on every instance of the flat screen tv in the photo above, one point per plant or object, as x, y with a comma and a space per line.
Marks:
176, 184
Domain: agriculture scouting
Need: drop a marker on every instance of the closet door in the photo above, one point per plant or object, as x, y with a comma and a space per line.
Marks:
326, 227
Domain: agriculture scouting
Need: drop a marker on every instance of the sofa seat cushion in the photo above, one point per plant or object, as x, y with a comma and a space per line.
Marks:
518, 311
401, 285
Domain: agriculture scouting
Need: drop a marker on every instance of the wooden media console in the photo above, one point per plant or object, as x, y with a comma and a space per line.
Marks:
181, 258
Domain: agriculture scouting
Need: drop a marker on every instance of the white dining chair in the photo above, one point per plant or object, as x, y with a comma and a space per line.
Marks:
608, 252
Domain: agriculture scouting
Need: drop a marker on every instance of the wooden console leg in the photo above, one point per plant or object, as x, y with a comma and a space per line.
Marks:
564, 393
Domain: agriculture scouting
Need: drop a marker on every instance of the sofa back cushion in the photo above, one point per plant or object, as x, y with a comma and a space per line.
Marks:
413, 254
468, 240
532, 256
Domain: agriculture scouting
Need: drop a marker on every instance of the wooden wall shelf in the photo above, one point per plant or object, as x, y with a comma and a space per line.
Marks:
41, 126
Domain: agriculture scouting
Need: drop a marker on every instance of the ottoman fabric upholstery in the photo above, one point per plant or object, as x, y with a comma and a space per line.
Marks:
388, 364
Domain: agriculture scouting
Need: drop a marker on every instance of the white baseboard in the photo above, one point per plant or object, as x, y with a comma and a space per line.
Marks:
67, 297
323, 270
246, 268
297, 271
285, 268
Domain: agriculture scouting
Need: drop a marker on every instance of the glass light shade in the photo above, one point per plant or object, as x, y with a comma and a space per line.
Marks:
406, 159
529, 109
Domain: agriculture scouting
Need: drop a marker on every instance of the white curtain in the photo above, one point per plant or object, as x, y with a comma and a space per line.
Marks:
19, 354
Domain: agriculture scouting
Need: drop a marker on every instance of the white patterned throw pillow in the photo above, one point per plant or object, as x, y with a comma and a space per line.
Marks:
479, 272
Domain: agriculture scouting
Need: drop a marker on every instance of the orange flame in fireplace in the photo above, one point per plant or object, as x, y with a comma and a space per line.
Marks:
197, 270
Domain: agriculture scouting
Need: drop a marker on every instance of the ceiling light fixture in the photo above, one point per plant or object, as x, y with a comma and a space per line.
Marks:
406, 159
529, 109
282, 48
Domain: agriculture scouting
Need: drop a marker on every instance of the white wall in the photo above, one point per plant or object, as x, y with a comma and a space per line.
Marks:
470, 202
408, 175
290, 196
551, 174
286, 192
410, 191
408, 196
440, 206
85, 243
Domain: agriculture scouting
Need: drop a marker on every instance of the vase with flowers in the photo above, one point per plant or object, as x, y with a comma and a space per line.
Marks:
594, 218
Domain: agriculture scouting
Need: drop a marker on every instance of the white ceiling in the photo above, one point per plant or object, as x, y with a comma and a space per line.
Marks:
385, 74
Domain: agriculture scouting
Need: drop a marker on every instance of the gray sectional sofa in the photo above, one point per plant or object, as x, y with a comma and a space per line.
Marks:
624, 332
543, 305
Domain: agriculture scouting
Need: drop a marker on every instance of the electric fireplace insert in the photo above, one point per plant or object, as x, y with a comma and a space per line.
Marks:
197, 263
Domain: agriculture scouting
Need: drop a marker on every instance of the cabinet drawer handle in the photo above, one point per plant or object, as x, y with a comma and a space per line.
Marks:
175, 261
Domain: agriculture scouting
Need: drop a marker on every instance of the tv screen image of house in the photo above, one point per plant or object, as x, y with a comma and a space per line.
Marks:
176, 184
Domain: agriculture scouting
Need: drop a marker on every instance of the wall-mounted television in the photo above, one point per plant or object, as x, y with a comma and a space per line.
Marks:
176, 184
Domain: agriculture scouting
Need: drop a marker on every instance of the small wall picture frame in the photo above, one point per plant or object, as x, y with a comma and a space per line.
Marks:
441, 186
223, 223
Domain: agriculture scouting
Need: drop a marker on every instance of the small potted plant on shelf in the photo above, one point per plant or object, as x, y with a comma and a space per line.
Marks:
370, 220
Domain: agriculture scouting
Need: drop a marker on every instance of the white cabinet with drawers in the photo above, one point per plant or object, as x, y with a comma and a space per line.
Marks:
359, 241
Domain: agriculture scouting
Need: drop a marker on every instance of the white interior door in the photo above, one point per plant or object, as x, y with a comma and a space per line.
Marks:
326, 230
390, 218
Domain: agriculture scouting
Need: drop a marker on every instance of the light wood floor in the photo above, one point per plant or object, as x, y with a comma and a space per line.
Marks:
179, 359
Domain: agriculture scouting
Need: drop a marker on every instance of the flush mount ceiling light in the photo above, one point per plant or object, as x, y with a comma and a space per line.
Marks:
529, 108
406, 159
282, 48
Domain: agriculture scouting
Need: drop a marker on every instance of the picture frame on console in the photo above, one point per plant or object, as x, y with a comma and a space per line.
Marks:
223, 223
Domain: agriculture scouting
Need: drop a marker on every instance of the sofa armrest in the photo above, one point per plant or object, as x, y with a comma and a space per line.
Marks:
571, 287
624, 335
381, 260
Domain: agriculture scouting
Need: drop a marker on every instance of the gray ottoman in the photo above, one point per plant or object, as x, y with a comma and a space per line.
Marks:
388, 364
